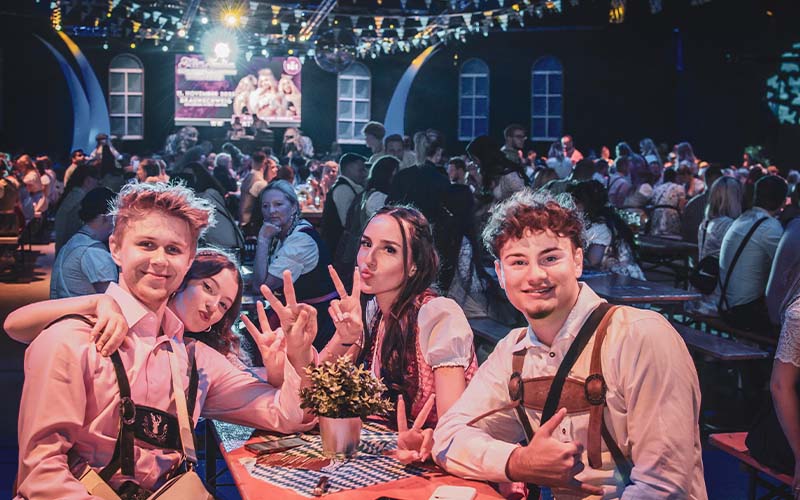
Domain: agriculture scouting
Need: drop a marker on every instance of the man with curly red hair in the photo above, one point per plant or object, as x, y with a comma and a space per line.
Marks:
623, 379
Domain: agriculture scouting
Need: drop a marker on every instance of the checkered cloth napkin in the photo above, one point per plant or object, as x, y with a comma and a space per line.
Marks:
369, 467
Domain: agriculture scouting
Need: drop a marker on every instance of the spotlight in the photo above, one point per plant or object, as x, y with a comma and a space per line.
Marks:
265, 52
220, 44
191, 48
133, 45
231, 18
204, 20
182, 33
105, 45
222, 50
164, 48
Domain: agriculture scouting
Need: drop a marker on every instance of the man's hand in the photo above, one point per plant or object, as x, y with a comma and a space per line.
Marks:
346, 310
271, 345
548, 462
111, 327
299, 322
415, 444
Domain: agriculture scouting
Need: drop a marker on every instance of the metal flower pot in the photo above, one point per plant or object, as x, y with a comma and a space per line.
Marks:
340, 436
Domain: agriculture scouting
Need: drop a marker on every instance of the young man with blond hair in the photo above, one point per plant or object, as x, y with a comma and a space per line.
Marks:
629, 391
72, 411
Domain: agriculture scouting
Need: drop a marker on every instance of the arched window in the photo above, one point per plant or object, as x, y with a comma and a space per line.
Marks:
547, 84
353, 104
126, 97
473, 105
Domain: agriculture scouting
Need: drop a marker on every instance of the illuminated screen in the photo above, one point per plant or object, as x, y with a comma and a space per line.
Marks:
213, 92
783, 88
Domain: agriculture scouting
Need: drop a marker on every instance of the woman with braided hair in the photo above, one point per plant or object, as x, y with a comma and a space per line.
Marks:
288, 242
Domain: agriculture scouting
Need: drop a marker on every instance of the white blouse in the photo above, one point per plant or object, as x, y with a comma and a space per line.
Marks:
445, 337
788, 350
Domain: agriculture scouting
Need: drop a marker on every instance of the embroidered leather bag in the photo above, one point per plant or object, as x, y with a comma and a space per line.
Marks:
187, 485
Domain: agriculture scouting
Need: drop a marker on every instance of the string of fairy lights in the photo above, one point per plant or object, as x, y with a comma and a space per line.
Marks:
262, 28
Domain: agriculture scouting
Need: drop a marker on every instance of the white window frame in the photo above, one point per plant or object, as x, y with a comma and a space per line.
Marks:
547, 95
462, 136
354, 139
127, 93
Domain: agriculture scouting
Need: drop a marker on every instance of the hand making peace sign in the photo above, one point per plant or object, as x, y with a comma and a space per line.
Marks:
346, 310
271, 345
299, 333
415, 444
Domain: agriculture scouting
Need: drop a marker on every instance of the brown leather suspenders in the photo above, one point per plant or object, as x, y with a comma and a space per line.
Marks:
565, 392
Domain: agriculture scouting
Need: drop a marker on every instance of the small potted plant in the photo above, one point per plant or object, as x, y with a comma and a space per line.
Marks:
341, 394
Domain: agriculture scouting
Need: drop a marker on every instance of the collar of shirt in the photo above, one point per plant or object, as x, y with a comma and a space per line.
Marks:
586, 303
757, 212
141, 319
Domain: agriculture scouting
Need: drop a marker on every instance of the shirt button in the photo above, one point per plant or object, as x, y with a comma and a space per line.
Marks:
563, 430
552, 355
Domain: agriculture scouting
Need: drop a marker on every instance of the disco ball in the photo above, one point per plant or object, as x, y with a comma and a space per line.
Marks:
335, 50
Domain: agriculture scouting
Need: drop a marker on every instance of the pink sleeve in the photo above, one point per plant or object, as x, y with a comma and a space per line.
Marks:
52, 412
240, 398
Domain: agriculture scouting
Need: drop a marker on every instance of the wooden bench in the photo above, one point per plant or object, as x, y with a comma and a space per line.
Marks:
718, 348
734, 445
718, 324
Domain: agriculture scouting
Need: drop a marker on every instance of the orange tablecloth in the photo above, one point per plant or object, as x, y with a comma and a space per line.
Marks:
412, 488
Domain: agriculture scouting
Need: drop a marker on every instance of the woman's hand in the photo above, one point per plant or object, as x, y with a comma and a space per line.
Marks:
415, 444
268, 230
111, 327
346, 310
271, 345
298, 321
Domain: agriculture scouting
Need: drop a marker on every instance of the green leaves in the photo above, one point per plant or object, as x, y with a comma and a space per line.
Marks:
340, 389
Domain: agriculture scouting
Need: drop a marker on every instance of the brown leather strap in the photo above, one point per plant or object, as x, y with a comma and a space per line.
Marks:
596, 395
516, 389
595, 388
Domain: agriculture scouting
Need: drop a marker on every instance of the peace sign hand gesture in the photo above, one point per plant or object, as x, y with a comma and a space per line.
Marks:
271, 345
298, 321
346, 310
415, 444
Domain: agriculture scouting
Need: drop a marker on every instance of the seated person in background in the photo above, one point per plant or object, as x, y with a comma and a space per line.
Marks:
787, 257
84, 265
288, 242
67, 222
642, 376
724, 206
374, 132
609, 240
236, 131
154, 242
695, 209
669, 198
394, 145
744, 283
148, 171
582, 171
557, 161
619, 184
225, 233
687, 177
252, 184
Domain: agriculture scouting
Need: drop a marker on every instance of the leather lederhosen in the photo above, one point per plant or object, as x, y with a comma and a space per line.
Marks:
546, 394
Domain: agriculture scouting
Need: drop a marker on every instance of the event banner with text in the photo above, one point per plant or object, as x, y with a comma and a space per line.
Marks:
215, 92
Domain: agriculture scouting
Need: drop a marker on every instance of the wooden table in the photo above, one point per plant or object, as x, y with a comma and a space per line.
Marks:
620, 289
664, 251
314, 216
250, 488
